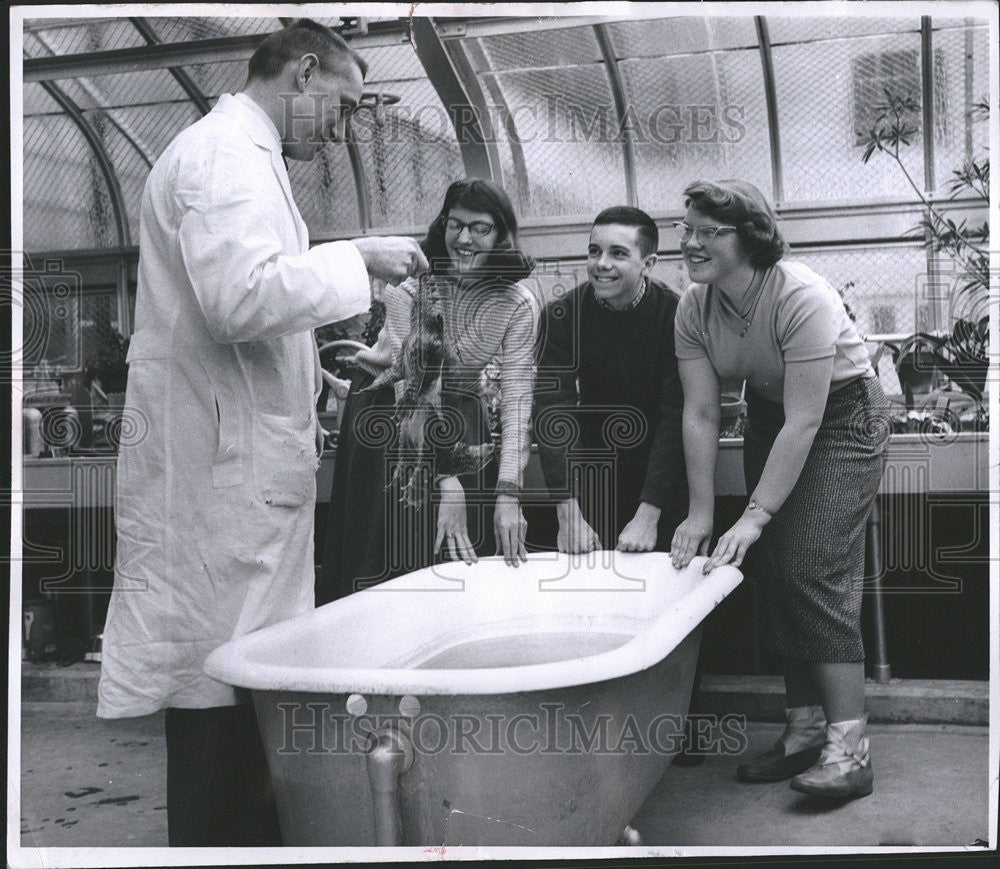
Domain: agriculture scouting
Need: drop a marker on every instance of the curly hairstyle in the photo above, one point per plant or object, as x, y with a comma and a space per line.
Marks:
506, 261
742, 205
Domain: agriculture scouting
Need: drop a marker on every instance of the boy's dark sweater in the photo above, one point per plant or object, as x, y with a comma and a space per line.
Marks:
629, 401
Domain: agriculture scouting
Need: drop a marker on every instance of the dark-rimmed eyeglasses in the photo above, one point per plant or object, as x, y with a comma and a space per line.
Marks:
478, 228
702, 233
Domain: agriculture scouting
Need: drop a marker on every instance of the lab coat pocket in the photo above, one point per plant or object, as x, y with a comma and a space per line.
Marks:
284, 459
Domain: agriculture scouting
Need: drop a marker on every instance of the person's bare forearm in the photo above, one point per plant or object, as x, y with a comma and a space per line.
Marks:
701, 449
784, 465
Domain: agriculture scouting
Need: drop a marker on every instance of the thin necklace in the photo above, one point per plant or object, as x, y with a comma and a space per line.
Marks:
748, 314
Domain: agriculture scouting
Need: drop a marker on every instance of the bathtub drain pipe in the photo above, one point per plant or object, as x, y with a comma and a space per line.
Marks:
388, 758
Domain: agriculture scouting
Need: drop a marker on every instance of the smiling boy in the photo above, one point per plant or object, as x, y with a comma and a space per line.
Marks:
608, 361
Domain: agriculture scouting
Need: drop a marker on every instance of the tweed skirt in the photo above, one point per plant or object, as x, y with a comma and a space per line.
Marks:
811, 555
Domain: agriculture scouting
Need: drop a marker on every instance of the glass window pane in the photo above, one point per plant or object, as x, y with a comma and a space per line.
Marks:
60, 36
571, 46
806, 29
172, 29
35, 100
682, 35
138, 88
698, 116
410, 155
567, 128
325, 193
820, 145
66, 201
961, 69
884, 287
153, 127
392, 62
213, 79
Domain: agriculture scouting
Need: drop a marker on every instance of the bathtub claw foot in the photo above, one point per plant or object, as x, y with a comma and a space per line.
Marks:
630, 837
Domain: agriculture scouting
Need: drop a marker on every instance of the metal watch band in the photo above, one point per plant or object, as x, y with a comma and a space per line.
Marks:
753, 505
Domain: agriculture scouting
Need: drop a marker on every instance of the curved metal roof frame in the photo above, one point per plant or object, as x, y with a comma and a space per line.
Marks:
148, 32
101, 155
621, 108
451, 78
448, 58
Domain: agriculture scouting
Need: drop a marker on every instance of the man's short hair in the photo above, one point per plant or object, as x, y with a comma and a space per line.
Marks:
302, 36
625, 215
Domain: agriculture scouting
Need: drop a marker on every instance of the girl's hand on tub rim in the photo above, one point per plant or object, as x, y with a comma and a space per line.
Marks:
452, 524
575, 535
690, 539
640, 533
733, 545
510, 529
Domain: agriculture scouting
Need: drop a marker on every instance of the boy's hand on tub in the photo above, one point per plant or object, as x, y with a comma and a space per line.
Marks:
733, 545
510, 528
640, 534
453, 526
575, 534
690, 539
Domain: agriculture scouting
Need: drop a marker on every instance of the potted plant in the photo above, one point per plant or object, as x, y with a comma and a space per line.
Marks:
955, 361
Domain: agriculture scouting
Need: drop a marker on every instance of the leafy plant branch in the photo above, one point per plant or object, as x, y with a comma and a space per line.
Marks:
967, 245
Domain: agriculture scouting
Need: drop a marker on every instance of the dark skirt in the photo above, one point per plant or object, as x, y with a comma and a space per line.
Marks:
371, 536
811, 555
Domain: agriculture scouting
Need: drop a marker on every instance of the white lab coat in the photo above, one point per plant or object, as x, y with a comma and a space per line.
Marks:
216, 471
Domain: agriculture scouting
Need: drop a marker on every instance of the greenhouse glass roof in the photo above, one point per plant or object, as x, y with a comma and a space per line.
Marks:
570, 114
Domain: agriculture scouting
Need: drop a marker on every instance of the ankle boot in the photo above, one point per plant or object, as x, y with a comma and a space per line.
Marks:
844, 769
796, 750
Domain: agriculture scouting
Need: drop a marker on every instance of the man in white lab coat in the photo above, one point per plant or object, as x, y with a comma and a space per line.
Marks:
216, 473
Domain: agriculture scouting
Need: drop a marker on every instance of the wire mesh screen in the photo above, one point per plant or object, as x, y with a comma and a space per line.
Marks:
392, 63
139, 88
132, 160
681, 35
501, 129
963, 81
553, 92
568, 132
80, 36
67, 204
409, 154
808, 29
541, 49
213, 79
821, 126
886, 288
172, 29
35, 101
699, 116
325, 193
152, 128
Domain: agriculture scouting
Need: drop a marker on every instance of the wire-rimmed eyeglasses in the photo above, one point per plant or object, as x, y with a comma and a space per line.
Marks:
702, 233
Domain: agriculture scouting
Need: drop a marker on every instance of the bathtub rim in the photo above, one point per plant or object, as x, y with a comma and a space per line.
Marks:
229, 664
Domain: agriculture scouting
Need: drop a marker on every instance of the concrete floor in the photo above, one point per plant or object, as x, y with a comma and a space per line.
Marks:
92, 783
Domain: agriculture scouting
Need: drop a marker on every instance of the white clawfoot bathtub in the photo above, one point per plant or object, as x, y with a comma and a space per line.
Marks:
481, 705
